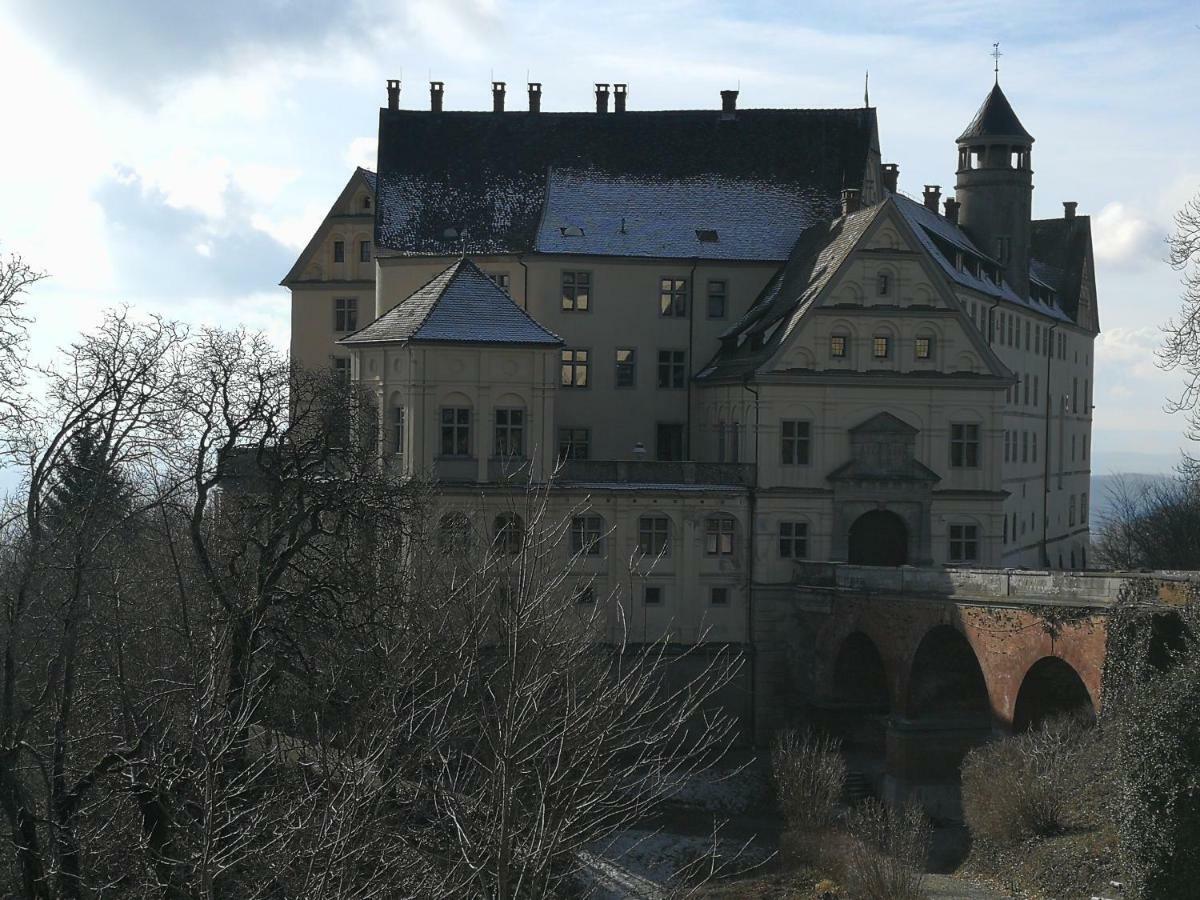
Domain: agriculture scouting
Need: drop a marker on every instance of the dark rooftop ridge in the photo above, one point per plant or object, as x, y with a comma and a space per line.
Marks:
995, 119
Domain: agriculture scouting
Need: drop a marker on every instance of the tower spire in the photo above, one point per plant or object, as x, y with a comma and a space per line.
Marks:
996, 54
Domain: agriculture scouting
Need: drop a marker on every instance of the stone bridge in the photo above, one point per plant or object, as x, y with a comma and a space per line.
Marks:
913, 667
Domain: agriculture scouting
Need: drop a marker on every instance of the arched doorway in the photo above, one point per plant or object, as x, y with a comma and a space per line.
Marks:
878, 538
946, 680
1050, 688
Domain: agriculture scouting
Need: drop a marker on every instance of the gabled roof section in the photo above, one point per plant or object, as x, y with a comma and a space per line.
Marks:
816, 257
995, 119
460, 305
504, 183
361, 176
883, 422
1062, 258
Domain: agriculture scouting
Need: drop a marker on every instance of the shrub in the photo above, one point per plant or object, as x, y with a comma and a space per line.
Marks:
809, 775
1022, 786
887, 855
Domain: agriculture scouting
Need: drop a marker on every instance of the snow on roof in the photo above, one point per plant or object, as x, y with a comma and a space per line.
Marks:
459, 305
707, 216
927, 223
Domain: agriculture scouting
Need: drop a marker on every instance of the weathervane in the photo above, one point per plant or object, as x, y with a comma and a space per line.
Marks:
996, 54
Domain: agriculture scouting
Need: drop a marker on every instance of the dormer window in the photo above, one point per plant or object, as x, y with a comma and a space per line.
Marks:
879, 346
924, 347
339, 251
366, 202
883, 284
837, 346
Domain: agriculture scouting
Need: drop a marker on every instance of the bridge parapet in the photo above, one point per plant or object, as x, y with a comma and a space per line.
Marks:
1098, 589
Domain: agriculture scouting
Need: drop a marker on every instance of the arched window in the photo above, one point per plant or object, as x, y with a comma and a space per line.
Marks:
397, 441
455, 532
508, 531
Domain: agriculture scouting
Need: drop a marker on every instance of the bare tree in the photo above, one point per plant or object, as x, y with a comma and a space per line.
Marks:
1151, 524
16, 277
1181, 346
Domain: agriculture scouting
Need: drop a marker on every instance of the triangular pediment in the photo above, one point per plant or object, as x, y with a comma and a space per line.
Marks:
883, 423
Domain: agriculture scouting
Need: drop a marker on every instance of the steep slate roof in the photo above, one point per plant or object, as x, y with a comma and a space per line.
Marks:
1061, 247
995, 119
621, 215
818, 254
505, 178
929, 225
460, 305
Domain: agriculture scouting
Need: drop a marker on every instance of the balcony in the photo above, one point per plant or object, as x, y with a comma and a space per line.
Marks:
648, 472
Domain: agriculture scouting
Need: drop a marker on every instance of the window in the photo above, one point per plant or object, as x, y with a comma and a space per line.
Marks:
652, 595
585, 595
837, 346
1025, 382
587, 533
509, 533
1027, 334
1024, 446
879, 346
398, 430
1033, 452
1071, 510
341, 369
455, 532
364, 251
964, 446
718, 535
1007, 448
345, 314
1012, 322
924, 347
575, 368
669, 442
1083, 509
1086, 438
883, 284
719, 596
500, 279
626, 367
574, 443
456, 431
654, 536
510, 432
576, 291
339, 251
672, 369
964, 542
672, 297
1035, 390
794, 442
717, 293
793, 540
366, 202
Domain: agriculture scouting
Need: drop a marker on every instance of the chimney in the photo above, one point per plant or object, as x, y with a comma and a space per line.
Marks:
729, 102
535, 96
891, 176
952, 206
498, 96
435, 95
601, 98
1069, 209
933, 193
851, 201
393, 93
619, 92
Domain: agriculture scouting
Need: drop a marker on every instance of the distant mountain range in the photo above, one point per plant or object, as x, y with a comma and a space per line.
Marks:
1103, 486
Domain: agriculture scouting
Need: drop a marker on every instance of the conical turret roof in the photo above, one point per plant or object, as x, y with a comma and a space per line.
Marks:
995, 119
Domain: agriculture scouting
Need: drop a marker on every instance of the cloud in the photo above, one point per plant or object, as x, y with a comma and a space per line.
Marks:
363, 151
1124, 237
163, 250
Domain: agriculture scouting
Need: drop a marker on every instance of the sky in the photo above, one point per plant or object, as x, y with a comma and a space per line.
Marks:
175, 157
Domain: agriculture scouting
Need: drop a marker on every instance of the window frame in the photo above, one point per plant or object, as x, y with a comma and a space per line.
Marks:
398, 429
587, 535
722, 293
796, 536
364, 251
720, 536
339, 252
345, 313
576, 366
799, 440
875, 345
836, 350
967, 537
570, 302
965, 437
629, 367
660, 593
508, 533
650, 536
659, 428
672, 297
675, 368
721, 591
504, 433
928, 354
567, 439
459, 432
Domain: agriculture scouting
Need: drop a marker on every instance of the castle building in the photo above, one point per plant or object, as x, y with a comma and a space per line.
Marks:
735, 339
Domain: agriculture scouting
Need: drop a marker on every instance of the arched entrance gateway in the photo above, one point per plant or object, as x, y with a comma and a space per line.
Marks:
878, 538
